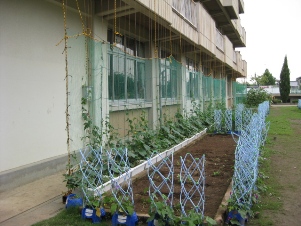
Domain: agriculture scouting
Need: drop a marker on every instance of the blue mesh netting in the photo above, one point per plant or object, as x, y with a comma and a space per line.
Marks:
218, 117
192, 177
228, 120
159, 181
119, 171
91, 167
246, 156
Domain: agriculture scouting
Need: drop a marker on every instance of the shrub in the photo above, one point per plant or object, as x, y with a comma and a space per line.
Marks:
257, 96
276, 101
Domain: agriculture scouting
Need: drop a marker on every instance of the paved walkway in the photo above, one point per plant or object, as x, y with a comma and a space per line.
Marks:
32, 202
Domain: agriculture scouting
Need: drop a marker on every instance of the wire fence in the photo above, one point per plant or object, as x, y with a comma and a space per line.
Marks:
247, 153
91, 167
232, 120
251, 135
192, 173
160, 180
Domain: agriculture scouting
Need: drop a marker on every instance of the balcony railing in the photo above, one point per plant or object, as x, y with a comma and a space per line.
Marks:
220, 41
234, 57
187, 9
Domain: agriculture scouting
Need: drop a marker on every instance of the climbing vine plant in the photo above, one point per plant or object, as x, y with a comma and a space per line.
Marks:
141, 139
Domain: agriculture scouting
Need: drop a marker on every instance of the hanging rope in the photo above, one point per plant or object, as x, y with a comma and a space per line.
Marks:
67, 84
170, 43
156, 48
81, 18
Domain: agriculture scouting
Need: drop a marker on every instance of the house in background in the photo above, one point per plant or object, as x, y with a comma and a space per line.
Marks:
295, 90
149, 56
299, 82
294, 86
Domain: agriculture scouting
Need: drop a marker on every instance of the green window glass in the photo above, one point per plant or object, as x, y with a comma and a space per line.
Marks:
126, 71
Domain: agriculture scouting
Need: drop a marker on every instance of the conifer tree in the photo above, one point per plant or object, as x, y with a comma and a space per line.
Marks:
284, 85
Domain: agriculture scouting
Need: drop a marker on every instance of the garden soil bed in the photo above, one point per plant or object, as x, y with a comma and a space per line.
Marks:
219, 154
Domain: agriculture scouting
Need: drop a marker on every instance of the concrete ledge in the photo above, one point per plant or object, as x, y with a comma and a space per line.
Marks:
25, 174
219, 216
143, 166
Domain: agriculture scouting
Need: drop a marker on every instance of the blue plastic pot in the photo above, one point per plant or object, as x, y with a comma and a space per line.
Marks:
90, 213
73, 201
129, 220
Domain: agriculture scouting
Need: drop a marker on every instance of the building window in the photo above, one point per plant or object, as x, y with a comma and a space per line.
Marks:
169, 78
192, 79
229, 86
207, 87
126, 68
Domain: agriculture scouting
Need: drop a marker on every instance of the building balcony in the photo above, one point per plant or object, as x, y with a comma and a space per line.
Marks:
232, 8
185, 18
127, 11
220, 46
237, 35
219, 41
234, 57
224, 12
244, 68
241, 6
228, 52
239, 65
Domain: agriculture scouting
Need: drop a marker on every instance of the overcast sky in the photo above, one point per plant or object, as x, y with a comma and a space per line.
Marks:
273, 30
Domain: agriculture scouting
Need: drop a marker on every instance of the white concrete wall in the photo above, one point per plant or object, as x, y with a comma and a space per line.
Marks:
232, 3
228, 52
185, 28
207, 30
162, 8
32, 73
32, 86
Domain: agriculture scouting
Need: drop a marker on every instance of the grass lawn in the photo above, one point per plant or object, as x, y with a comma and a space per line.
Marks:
280, 154
69, 217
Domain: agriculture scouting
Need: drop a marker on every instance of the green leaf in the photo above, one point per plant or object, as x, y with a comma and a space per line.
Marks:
210, 221
152, 217
243, 213
130, 210
146, 147
113, 208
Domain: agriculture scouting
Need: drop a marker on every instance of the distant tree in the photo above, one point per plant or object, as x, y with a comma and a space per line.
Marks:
284, 84
254, 80
265, 79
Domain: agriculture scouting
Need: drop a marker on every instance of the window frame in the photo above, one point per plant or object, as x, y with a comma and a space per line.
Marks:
166, 64
131, 63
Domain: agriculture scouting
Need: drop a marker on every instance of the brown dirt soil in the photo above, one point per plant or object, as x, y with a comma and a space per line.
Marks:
219, 155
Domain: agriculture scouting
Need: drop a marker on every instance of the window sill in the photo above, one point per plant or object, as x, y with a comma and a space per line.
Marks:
121, 105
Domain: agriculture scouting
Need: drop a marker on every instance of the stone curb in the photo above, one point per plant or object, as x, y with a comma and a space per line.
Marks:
219, 216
